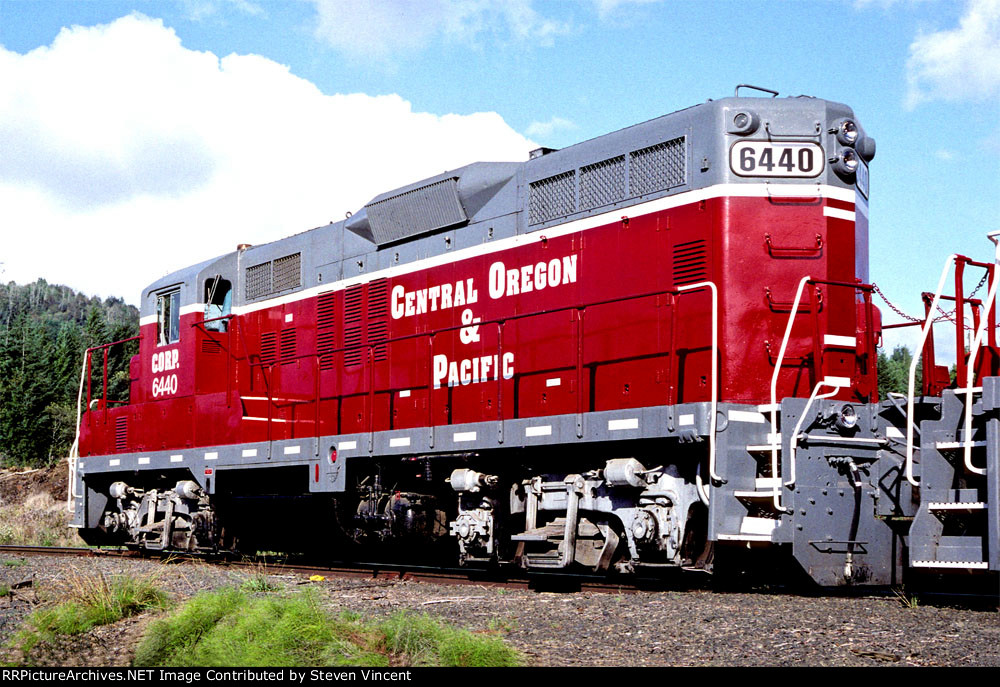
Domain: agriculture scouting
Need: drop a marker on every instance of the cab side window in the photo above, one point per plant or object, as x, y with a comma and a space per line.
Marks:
218, 303
168, 318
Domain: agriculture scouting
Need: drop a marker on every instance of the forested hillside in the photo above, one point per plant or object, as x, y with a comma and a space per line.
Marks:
44, 331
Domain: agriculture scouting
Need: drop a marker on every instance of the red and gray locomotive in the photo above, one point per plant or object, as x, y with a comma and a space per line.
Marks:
642, 351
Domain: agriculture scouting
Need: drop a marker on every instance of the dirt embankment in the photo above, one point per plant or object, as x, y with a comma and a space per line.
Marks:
17, 485
33, 507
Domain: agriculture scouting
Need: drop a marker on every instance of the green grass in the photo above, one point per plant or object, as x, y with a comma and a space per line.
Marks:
428, 642
257, 582
233, 628
906, 600
14, 563
86, 601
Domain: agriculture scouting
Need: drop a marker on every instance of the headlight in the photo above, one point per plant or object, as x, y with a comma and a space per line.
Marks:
846, 162
847, 419
847, 132
743, 122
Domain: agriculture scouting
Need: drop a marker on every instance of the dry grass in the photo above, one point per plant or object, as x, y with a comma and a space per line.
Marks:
39, 521
84, 600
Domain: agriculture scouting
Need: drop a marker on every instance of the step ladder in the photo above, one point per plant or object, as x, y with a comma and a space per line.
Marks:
956, 526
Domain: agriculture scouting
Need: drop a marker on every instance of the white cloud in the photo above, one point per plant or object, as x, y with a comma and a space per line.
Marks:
382, 28
127, 156
960, 63
546, 129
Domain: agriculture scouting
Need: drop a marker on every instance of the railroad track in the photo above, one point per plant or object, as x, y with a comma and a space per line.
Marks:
290, 565
380, 570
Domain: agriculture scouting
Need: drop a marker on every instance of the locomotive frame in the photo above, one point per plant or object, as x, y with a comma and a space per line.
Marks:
643, 351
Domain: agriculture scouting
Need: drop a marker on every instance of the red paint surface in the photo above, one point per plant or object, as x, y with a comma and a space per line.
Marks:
636, 350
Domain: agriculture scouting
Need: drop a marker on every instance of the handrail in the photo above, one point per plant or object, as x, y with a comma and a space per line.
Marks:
773, 443
974, 351
74, 450
793, 446
713, 421
88, 357
775, 469
911, 381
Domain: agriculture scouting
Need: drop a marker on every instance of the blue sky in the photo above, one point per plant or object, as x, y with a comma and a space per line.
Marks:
180, 129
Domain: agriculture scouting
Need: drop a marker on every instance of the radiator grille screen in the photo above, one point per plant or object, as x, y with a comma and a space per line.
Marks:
552, 197
287, 273
658, 167
258, 281
602, 183
272, 277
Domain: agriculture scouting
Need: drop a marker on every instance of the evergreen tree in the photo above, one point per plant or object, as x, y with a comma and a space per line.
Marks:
44, 331
894, 372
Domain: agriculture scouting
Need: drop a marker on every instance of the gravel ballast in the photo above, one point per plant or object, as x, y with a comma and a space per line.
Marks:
662, 628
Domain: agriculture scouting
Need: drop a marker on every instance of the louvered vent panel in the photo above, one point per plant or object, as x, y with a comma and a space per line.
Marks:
287, 273
268, 347
378, 299
258, 281
326, 309
353, 304
326, 343
378, 318
690, 262
602, 183
354, 355
287, 347
378, 332
552, 197
211, 347
326, 333
121, 433
658, 167
353, 334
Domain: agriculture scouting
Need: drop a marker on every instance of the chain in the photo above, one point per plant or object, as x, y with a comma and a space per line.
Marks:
945, 315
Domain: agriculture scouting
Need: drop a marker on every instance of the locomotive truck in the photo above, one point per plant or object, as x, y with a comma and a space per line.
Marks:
649, 350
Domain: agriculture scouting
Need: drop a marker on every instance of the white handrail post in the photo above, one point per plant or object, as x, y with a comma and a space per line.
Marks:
928, 324
74, 451
712, 422
793, 446
775, 468
974, 351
